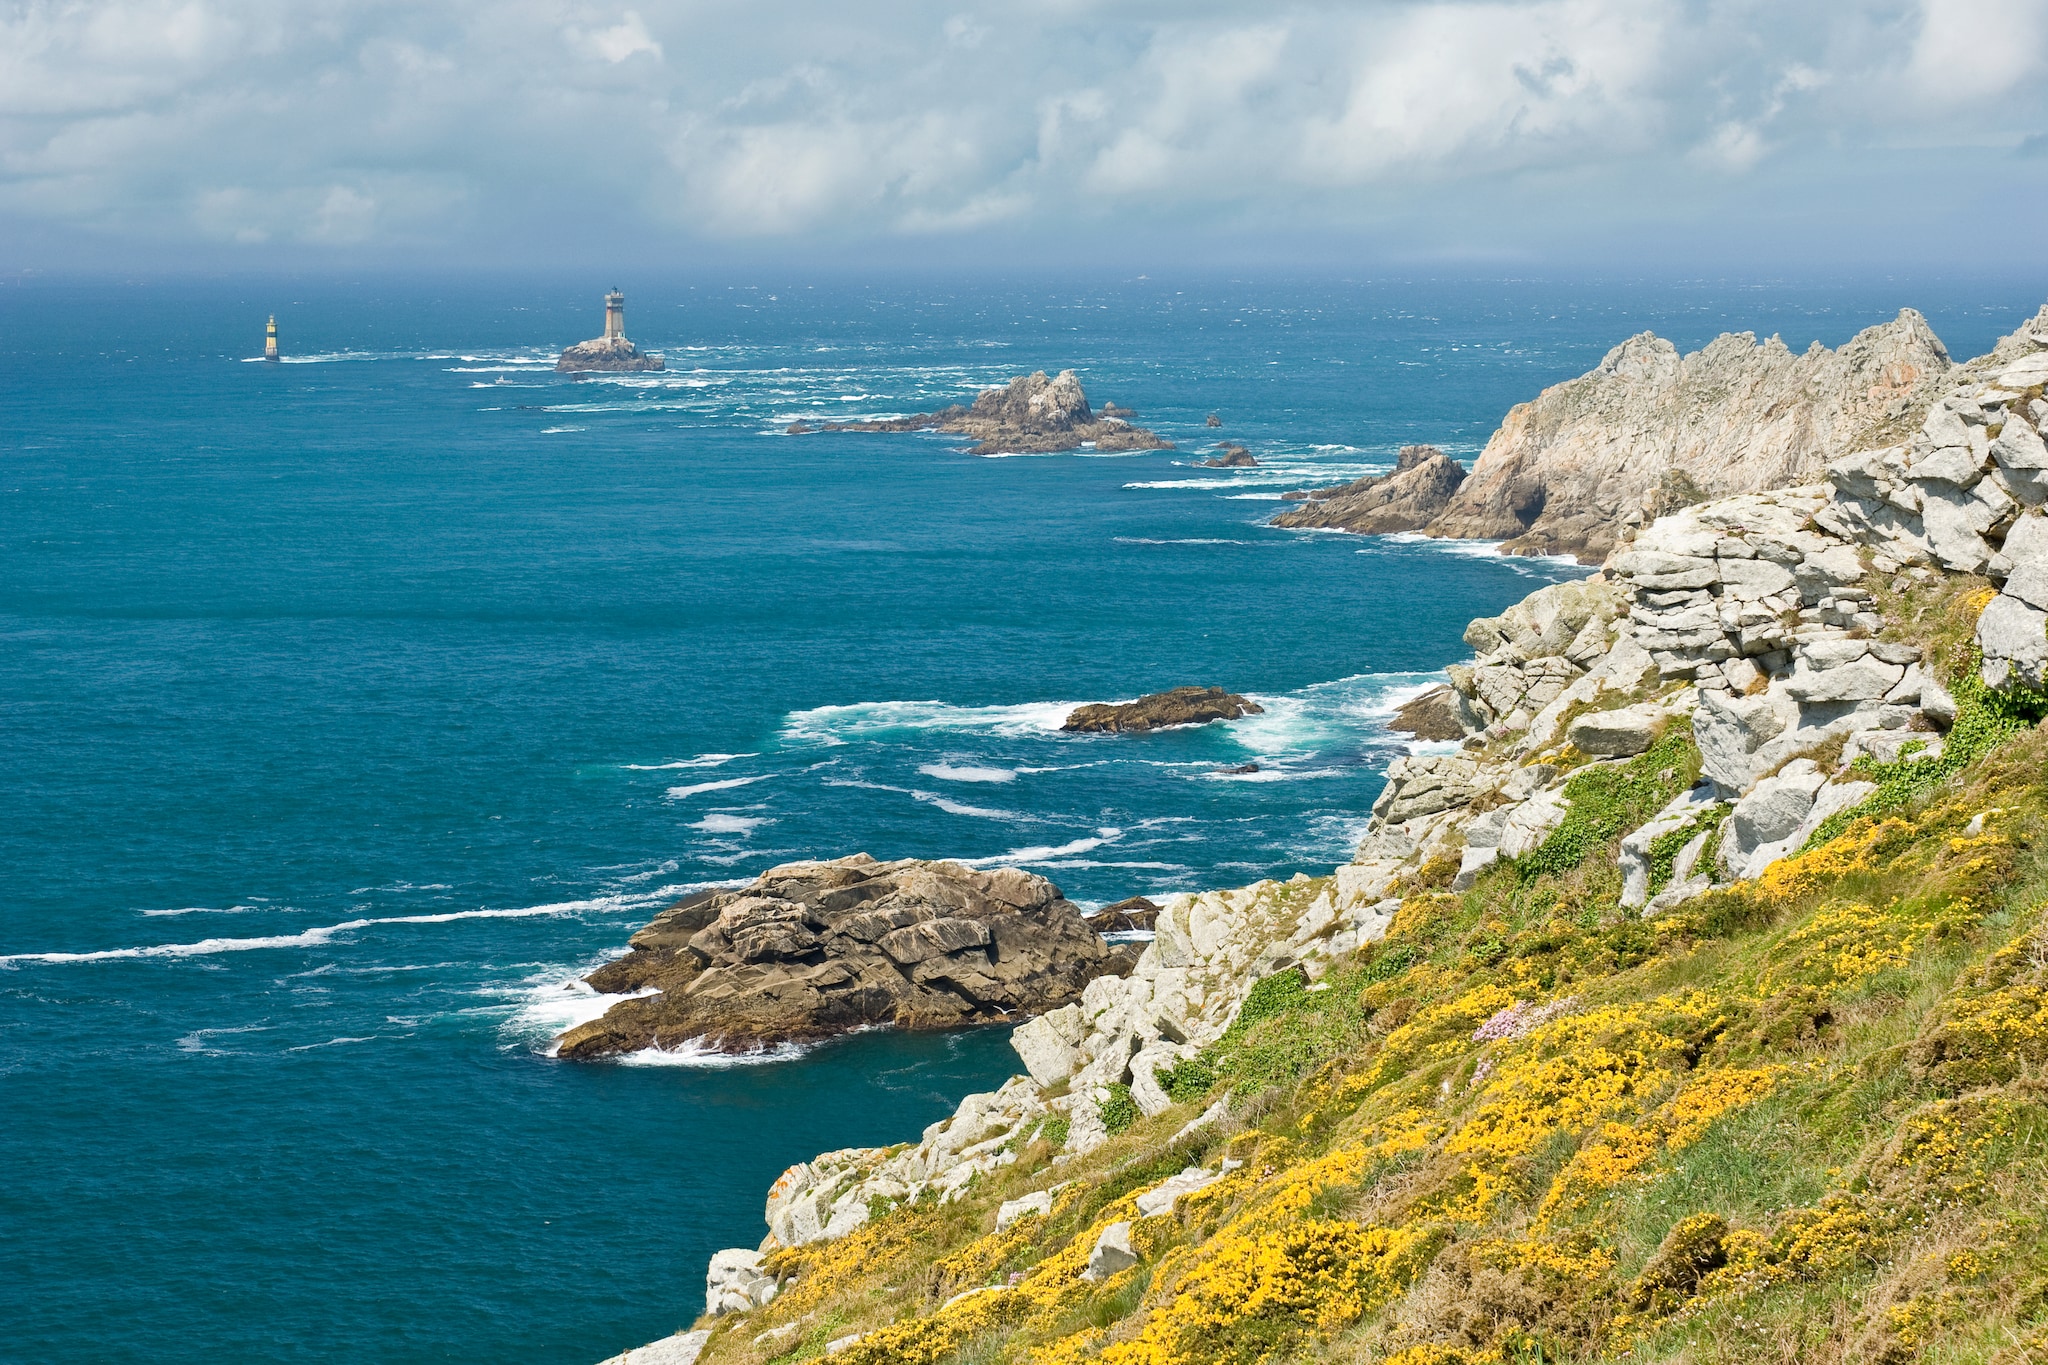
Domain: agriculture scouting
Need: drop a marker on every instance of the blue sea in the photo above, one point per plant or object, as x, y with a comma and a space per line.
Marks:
352, 707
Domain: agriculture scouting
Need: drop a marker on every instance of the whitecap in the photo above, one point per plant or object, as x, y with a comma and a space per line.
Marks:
213, 910
947, 772
700, 761
323, 934
836, 724
334, 1042
695, 1053
1039, 854
1274, 775
720, 823
725, 784
1192, 540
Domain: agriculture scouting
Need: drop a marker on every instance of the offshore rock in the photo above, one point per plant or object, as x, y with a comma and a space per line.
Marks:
1230, 455
809, 950
1160, 710
1649, 431
607, 353
1417, 490
1124, 916
1031, 415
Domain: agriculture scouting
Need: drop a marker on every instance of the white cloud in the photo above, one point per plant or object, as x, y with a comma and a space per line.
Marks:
373, 121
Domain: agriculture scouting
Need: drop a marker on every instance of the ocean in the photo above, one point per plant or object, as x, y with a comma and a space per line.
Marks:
352, 707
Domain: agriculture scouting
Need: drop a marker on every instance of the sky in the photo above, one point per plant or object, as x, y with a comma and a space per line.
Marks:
1655, 134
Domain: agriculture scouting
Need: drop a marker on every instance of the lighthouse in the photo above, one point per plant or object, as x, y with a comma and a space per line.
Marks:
270, 339
611, 351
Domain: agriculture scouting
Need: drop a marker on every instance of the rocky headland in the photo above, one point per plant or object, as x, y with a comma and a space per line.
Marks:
810, 950
1160, 711
1697, 1003
1649, 431
1418, 488
1031, 415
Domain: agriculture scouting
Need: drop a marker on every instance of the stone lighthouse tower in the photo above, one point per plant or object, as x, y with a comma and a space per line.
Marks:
270, 339
611, 351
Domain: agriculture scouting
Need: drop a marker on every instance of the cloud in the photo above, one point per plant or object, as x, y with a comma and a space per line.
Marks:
374, 125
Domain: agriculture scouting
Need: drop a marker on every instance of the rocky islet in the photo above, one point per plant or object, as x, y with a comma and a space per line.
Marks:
1031, 415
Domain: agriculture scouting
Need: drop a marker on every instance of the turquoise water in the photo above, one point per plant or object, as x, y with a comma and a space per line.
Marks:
350, 708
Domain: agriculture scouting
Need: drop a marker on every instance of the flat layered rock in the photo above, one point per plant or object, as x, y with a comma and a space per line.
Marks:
1160, 710
810, 950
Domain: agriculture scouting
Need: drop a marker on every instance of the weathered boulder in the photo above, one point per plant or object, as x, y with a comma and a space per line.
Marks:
1417, 489
1112, 1253
1038, 1202
1425, 784
736, 1282
1135, 912
1031, 415
1621, 733
809, 950
1160, 710
2014, 638
1049, 1044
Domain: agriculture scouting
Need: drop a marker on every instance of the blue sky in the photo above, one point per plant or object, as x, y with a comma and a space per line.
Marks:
1651, 133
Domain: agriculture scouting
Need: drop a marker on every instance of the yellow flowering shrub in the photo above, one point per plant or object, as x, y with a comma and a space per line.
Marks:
1246, 1300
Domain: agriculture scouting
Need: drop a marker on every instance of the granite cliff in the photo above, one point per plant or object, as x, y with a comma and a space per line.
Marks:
1695, 1005
1031, 415
1650, 430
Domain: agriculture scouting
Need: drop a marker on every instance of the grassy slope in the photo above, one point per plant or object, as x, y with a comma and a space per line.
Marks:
1802, 1118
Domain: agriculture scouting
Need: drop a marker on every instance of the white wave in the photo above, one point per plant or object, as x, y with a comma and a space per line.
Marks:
726, 784
195, 1041
1485, 549
695, 1053
1040, 853
1090, 862
213, 910
717, 823
322, 934
334, 1042
835, 724
1145, 540
1325, 715
947, 772
958, 808
1274, 775
553, 1006
560, 431
1254, 497
700, 761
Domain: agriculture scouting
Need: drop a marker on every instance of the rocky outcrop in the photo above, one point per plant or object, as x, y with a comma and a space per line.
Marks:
1438, 714
1231, 456
809, 950
1161, 710
607, 353
1031, 415
1649, 427
1408, 498
1136, 913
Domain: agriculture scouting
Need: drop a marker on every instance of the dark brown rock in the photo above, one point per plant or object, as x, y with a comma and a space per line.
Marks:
1031, 415
1234, 456
1433, 715
809, 950
1124, 915
1181, 706
1417, 489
